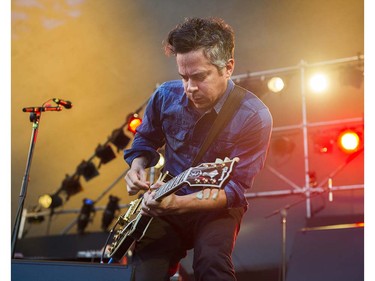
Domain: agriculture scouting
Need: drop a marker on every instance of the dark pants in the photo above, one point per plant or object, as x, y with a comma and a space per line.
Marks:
212, 234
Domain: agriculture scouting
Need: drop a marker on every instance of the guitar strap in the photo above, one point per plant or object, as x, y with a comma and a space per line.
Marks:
225, 114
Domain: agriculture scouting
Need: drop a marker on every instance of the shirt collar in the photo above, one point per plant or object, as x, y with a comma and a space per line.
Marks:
221, 101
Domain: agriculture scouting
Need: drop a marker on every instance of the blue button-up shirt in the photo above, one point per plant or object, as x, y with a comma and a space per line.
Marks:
170, 119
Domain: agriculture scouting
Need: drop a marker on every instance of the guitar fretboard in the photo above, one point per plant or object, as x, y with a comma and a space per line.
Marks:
170, 186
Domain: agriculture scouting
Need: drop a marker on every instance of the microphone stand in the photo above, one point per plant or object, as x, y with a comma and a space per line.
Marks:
35, 114
283, 214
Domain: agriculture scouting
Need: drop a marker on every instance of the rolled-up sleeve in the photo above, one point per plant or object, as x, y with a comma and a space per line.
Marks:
250, 145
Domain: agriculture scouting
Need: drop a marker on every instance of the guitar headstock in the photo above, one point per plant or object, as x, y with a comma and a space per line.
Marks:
211, 174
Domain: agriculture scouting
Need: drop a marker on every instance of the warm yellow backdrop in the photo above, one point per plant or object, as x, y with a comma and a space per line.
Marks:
107, 58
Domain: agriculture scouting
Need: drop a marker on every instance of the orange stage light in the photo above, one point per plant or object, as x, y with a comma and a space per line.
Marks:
133, 122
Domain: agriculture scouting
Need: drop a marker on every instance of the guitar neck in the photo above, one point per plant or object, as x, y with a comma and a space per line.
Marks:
212, 175
171, 186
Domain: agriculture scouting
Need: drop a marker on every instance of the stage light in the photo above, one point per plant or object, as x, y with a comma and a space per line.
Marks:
50, 201
263, 85
110, 211
349, 141
323, 144
133, 121
312, 179
85, 215
104, 153
71, 185
318, 83
87, 170
276, 84
119, 139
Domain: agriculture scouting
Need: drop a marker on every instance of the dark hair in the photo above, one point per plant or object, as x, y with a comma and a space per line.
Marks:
212, 34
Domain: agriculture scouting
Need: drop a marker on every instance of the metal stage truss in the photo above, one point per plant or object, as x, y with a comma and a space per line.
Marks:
304, 126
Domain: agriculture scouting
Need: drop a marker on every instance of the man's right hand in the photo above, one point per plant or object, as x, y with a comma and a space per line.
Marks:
136, 177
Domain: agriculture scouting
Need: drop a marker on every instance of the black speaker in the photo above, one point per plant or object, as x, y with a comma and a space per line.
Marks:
327, 253
63, 271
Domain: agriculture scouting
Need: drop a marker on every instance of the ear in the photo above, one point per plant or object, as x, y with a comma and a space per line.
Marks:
229, 68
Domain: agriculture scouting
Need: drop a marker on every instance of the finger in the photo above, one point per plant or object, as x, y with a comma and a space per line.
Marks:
145, 185
145, 209
152, 194
156, 185
139, 179
146, 212
134, 183
206, 193
130, 187
143, 175
148, 200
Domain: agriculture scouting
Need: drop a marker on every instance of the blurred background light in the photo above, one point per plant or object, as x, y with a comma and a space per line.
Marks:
323, 143
133, 121
318, 83
263, 85
119, 139
110, 212
71, 185
276, 84
104, 153
51, 201
85, 215
349, 141
87, 169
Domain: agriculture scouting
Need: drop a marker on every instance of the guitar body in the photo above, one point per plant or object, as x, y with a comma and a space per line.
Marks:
133, 232
206, 175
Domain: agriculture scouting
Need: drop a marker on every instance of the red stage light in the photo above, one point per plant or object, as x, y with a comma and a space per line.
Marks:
349, 141
133, 122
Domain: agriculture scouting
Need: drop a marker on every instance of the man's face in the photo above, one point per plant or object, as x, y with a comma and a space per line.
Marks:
204, 84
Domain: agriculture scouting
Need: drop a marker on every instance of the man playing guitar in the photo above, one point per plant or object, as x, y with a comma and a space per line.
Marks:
179, 116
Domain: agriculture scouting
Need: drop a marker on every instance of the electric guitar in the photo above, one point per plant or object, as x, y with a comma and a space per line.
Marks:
212, 175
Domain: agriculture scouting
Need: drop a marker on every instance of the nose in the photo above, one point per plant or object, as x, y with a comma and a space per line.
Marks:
191, 87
